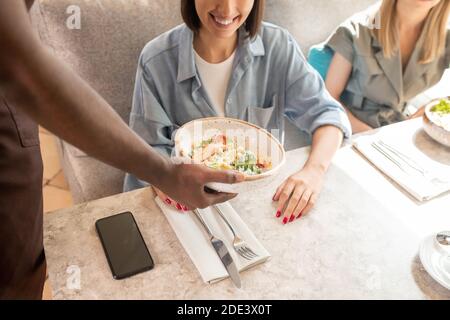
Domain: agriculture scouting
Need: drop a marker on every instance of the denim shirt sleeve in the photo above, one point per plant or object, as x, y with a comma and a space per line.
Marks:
149, 120
307, 103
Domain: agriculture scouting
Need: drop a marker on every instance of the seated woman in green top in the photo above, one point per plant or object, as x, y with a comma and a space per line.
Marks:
387, 55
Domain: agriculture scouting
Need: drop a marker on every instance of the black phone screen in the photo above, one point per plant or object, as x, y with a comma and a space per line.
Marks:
124, 245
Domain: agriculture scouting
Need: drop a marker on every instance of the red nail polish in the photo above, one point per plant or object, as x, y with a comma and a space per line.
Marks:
185, 208
179, 206
291, 218
299, 215
285, 219
278, 214
168, 201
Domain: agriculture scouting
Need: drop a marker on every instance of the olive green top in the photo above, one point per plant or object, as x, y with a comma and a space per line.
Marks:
378, 89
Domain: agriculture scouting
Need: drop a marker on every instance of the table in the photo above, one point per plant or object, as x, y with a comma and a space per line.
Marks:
360, 241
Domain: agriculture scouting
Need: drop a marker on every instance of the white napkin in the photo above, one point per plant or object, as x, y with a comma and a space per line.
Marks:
195, 241
419, 186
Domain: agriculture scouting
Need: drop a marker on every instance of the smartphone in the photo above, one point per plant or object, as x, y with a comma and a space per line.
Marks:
124, 245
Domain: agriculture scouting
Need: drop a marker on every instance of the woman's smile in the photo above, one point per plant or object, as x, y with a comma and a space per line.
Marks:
224, 22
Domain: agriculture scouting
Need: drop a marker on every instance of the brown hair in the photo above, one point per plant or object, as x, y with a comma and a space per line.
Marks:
252, 24
435, 29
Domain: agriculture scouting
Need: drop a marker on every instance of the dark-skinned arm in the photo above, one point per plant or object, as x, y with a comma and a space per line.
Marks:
44, 87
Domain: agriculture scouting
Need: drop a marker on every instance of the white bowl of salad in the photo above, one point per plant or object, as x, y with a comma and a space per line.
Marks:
231, 144
436, 120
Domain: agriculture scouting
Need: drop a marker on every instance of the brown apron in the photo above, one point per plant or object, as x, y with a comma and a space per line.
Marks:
22, 258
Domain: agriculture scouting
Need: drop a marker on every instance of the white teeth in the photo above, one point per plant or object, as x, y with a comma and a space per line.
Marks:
224, 22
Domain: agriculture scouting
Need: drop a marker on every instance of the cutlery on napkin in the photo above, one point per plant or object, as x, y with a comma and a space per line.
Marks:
197, 245
419, 175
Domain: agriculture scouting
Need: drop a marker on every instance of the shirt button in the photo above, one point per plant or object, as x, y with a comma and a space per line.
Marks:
229, 101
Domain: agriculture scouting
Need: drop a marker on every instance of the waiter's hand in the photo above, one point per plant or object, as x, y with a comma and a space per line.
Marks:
184, 186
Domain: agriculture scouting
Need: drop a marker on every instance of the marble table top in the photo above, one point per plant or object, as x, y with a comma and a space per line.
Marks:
360, 241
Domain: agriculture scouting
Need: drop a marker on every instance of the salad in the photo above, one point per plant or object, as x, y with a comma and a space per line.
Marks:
441, 114
218, 152
443, 107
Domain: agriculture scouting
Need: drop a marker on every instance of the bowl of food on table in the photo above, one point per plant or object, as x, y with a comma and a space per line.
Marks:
436, 120
231, 144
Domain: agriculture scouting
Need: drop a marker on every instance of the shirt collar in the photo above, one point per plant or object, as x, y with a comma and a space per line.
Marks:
253, 46
186, 62
186, 59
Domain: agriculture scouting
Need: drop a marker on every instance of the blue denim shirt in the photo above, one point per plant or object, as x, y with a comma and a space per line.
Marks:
271, 80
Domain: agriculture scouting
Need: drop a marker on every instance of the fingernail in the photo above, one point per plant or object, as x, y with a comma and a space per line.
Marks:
291, 218
285, 219
278, 214
299, 215
179, 207
185, 208
168, 201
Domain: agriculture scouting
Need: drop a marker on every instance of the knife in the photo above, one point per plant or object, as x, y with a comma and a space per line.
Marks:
222, 252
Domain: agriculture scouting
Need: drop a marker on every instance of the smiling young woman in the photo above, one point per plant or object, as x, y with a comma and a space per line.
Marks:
252, 21
224, 61
219, 26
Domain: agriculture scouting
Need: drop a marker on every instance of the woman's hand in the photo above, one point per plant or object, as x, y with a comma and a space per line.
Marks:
419, 113
298, 194
169, 201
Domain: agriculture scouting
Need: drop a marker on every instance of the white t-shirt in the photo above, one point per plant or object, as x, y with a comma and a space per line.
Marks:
215, 78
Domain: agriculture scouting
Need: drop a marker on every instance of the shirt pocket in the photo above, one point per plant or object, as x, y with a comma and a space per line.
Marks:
27, 129
366, 83
265, 116
368, 66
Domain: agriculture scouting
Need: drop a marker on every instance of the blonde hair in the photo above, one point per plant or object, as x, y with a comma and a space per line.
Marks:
434, 28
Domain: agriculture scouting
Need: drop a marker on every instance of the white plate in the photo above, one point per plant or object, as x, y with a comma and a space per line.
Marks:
261, 142
432, 128
436, 261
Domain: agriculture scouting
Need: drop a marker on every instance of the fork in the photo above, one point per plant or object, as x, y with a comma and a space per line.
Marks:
240, 246
409, 162
376, 146
406, 159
